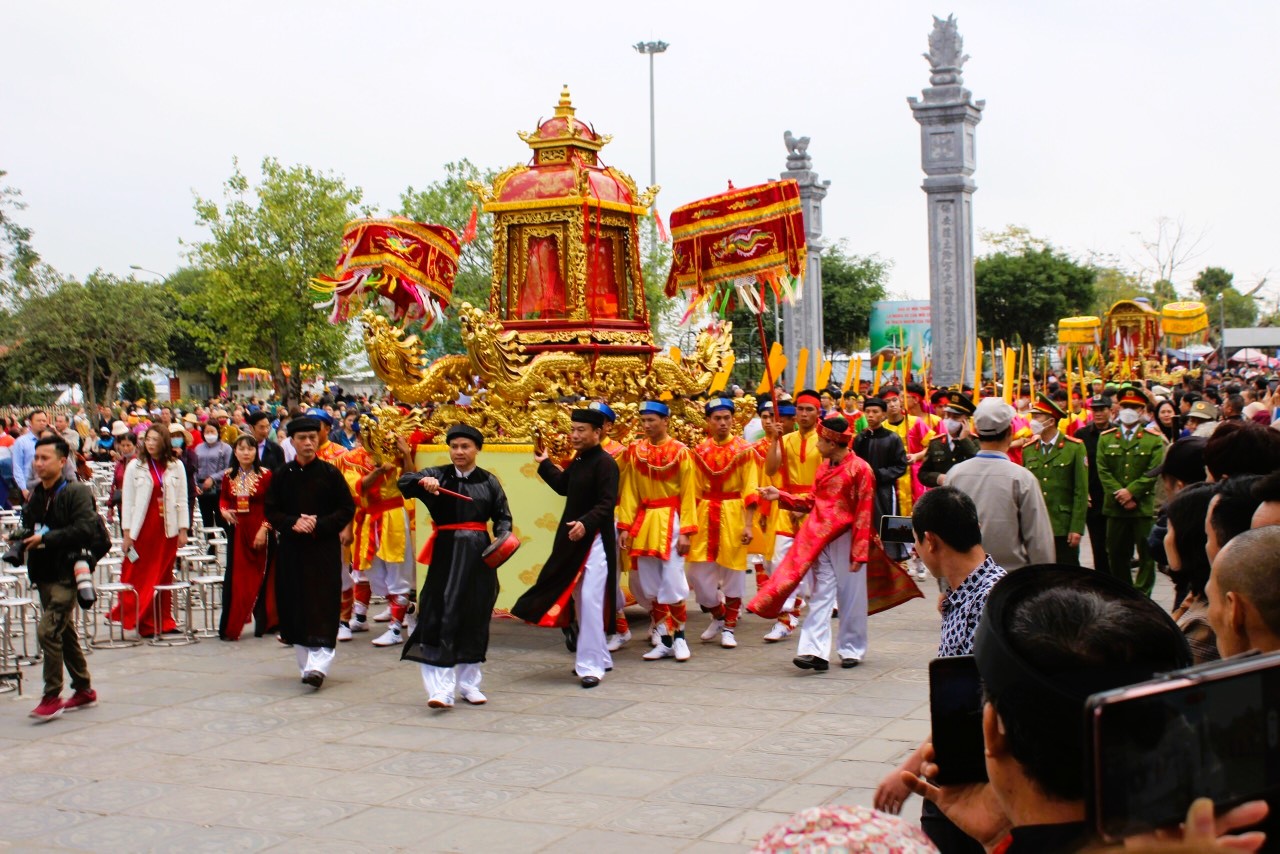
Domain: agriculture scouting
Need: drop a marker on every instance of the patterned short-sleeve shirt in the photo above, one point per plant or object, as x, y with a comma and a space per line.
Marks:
962, 609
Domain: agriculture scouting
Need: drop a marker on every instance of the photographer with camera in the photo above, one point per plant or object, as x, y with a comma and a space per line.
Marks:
59, 526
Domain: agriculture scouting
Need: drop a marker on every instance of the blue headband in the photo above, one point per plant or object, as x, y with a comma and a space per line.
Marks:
603, 409
653, 407
786, 409
718, 403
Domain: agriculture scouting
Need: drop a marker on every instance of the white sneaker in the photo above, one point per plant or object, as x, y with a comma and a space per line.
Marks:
681, 649
655, 636
716, 627
659, 651
390, 637
474, 697
440, 702
727, 640
359, 625
780, 631
344, 633
384, 617
617, 642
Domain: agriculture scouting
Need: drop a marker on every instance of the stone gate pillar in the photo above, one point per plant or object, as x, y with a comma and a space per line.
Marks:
948, 117
802, 320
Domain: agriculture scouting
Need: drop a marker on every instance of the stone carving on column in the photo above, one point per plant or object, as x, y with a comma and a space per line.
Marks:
802, 319
948, 116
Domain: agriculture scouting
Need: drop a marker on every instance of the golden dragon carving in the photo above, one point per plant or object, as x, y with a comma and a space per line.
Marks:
497, 367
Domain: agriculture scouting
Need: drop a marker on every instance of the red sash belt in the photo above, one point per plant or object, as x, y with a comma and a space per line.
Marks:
386, 505
713, 521
647, 504
425, 555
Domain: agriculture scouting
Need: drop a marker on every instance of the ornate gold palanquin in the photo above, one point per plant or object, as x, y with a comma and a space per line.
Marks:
566, 253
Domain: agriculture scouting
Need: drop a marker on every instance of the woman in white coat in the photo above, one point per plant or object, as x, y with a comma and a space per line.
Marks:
153, 520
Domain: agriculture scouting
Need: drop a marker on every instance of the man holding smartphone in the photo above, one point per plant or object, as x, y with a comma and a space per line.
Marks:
949, 543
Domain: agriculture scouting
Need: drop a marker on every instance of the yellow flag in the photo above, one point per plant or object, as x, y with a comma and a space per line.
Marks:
776, 363
722, 379
875, 385
824, 374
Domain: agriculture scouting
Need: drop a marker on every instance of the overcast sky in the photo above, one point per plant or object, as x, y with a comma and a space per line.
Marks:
1100, 118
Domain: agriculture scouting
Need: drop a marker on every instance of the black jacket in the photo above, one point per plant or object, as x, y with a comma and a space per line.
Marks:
73, 521
272, 456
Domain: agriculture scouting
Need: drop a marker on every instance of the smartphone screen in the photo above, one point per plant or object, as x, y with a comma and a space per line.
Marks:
1157, 751
955, 710
896, 529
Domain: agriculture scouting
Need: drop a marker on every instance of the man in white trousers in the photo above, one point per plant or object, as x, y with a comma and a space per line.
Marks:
830, 545
583, 566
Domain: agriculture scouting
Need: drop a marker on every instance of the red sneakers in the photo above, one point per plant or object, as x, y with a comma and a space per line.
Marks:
50, 707
86, 699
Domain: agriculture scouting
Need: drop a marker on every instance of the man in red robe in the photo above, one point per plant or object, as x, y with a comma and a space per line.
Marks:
832, 545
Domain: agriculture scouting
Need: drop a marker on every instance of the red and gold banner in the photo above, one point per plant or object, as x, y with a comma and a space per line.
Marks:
755, 234
410, 264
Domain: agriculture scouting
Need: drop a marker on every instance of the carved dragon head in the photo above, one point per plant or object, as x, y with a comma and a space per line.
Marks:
396, 358
495, 353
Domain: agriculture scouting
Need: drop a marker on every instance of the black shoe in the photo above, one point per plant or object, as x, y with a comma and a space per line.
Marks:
314, 678
590, 681
810, 662
571, 637
847, 663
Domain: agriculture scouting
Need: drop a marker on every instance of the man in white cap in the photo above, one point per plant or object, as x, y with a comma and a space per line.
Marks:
1016, 528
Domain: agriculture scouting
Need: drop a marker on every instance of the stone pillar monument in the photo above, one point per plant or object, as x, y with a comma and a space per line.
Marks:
948, 117
802, 320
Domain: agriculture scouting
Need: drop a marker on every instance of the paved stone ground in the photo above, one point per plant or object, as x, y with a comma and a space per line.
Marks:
218, 747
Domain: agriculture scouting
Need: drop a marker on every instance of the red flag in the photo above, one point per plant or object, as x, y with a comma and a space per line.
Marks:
662, 229
222, 392
469, 233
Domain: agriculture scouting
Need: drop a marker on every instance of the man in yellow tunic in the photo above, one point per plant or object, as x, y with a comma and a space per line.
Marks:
792, 463
902, 427
657, 516
727, 479
381, 560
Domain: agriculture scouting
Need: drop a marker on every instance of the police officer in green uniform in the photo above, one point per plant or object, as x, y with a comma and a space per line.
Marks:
1125, 455
953, 443
1058, 462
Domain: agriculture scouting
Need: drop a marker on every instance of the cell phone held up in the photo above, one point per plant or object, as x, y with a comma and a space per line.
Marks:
897, 529
955, 712
1211, 731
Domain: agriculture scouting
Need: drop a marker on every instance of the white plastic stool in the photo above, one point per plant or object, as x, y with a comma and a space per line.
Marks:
186, 635
110, 595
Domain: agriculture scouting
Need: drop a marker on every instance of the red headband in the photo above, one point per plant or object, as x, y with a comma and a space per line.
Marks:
813, 400
832, 436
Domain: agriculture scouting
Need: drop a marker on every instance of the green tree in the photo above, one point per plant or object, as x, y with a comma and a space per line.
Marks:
1239, 309
850, 284
97, 334
265, 243
1025, 287
18, 258
192, 334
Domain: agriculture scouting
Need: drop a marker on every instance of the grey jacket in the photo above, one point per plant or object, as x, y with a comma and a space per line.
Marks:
1016, 528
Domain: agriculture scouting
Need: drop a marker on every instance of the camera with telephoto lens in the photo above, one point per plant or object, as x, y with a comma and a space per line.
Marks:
17, 553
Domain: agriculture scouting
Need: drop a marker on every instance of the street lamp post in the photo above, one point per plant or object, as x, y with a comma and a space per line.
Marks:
652, 48
145, 270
